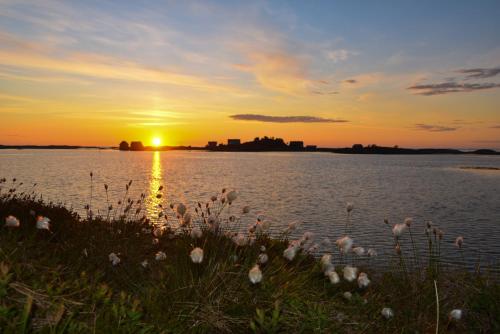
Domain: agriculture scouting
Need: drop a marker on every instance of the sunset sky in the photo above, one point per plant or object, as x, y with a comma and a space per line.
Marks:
331, 73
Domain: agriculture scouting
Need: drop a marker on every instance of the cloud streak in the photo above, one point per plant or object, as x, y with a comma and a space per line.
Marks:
480, 73
450, 87
285, 119
434, 128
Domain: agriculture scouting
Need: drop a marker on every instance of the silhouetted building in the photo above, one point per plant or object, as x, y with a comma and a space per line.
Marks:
124, 146
233, 142
311, 147
212, 144
296, 145
136, 146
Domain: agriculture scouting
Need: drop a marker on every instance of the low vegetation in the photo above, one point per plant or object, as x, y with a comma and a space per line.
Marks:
197, 272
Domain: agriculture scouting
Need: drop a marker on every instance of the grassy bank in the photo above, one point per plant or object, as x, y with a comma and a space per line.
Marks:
65, 278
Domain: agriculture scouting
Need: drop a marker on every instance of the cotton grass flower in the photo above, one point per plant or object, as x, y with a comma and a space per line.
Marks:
347, 295
350, 273
363, 280
459, 241
181, 209
197, 255
240, 240
145, 263
349, 207
455, 315
114, 259
12, 221
333, 277
43, 223
359, 251
408, 221
387, 312
160, 256
344, 244
399, 229
255, 274
196, 232
263, 258
231, 196
326, 261
290, 253
371, 252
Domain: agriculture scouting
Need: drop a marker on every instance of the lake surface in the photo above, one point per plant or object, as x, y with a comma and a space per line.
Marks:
283, 187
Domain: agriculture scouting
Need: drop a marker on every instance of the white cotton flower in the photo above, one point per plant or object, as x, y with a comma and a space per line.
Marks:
456, 314
196, 232
240, 239
308, 236
347, 295
114, 259
290, 253
328, 269
326, 261
231, 196
197, 255
85, 253
43, 223
160, 256
12, 221
363, 280
349, 207
246, 209
399, 229
459, 241
371, 252
387, 312
263, 258
359, 251
408, 221
255, 274
262, 248
145, 263
181, 209
344, 244
333, 277
350, 273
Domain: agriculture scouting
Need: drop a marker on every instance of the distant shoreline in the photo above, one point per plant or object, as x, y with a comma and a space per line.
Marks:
346, 150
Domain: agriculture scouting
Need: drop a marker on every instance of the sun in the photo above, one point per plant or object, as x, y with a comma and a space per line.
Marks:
156, 141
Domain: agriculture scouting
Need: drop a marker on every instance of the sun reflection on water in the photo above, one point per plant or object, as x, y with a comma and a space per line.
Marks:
155, 180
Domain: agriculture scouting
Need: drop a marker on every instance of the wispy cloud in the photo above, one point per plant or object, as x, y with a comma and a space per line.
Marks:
450, 87
285, 119
480, 73
495, 126
351, 81
459, 85
340, 55
434, 128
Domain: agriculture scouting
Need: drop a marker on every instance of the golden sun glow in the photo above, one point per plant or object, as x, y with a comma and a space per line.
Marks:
156, 141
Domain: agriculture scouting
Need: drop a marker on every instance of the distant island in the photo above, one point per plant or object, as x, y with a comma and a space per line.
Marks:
266, 144
271, 144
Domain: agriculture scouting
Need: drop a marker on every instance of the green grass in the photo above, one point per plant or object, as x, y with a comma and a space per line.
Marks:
62, 281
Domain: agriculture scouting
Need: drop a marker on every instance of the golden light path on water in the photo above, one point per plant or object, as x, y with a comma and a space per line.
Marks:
155, 181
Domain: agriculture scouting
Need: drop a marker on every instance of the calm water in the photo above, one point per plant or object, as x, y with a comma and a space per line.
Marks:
284, 187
